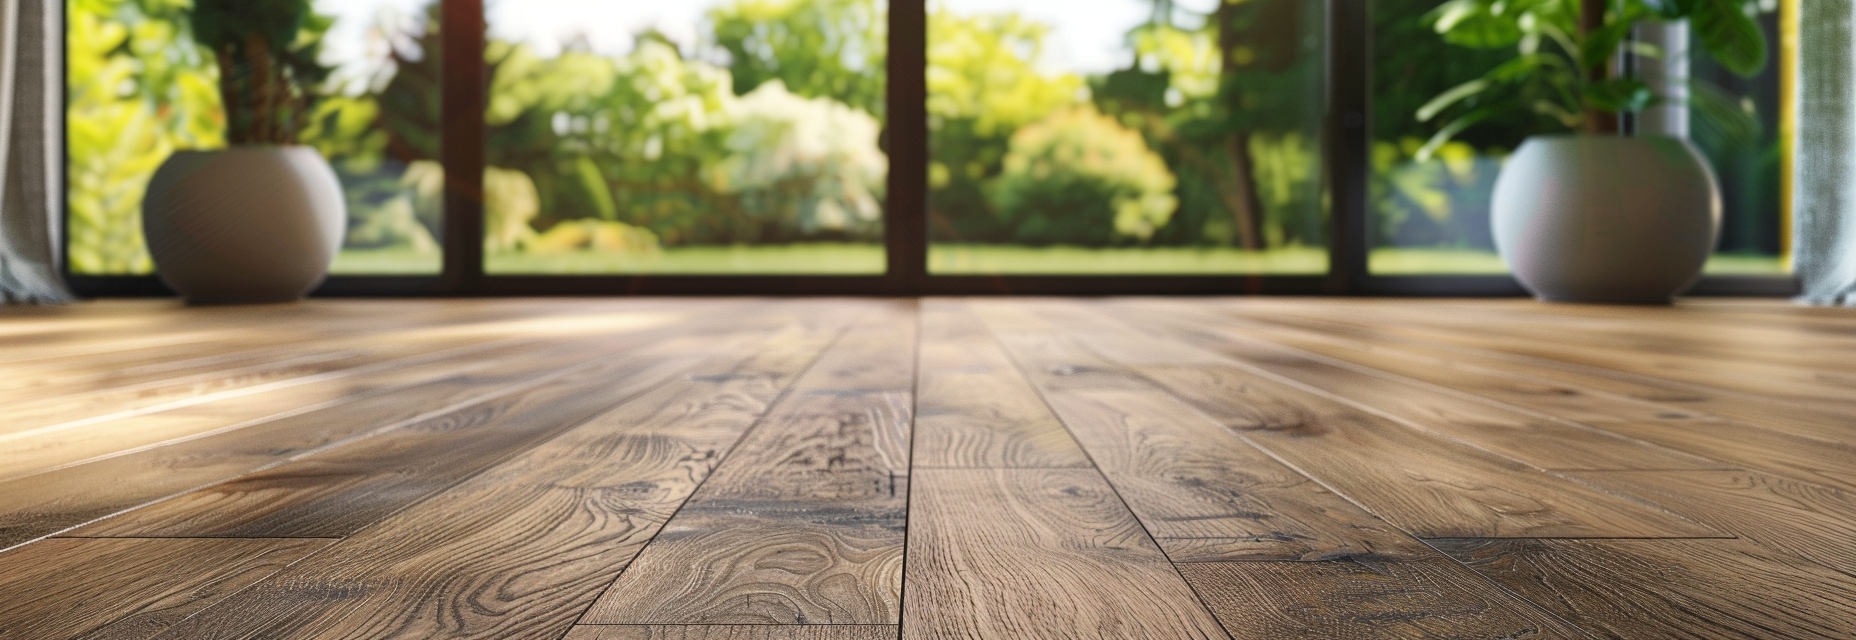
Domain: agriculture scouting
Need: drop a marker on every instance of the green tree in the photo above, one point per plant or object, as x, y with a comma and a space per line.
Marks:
1080, 178
835, 49
136, 90
983, 84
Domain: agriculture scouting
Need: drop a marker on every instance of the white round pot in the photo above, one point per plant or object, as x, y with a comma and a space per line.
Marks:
256, 224
1606, 218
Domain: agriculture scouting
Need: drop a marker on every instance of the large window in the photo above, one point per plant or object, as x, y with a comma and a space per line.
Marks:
1430, 215
1126, 136
138, 89
691, 137
884, 146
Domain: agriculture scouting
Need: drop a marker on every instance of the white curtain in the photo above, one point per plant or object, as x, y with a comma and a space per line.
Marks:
31, 162
1825, 192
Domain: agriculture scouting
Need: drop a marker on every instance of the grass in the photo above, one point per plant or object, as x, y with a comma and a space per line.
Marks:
973, 259
1401, 262
1394, 261
794, 259
387, 262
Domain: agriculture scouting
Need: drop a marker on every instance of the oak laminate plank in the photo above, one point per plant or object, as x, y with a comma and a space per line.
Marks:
1426, 485
1538, 440
1203, 494
1687, 589
1808, 402
733, 632
804, 522
285, 369
1781, 438
1355, 599
234, 347
98, 589
1031, 554
47, 503
88, 440
1783, 454
99, 333
337, 492
974, 408
1803, 519
519, 551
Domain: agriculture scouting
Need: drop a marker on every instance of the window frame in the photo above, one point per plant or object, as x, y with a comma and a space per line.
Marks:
1347, 143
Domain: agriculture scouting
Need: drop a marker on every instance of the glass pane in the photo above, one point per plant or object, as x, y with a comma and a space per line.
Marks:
1126, 136
1431, 216
706, 136
138, 89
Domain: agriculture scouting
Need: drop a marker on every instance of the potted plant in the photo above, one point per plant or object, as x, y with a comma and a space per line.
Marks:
261, 220
1592, 215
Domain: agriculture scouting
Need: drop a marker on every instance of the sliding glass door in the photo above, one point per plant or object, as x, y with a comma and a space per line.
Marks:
692, 137
1126, 137
884, 146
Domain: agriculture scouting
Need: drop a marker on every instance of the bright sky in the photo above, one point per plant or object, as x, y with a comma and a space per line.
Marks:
348, 43
1087, 38
607, 24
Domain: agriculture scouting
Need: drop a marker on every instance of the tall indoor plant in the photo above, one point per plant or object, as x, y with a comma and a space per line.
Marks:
1593, 215
262, 219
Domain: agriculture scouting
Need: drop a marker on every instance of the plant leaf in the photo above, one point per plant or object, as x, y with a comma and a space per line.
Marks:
1622, 95
1731, 36
1444, 135
1447, 98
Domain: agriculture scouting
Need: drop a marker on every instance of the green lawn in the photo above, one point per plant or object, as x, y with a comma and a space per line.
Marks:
1401, 262
385, 262
1392, 262
968, 259
795, 259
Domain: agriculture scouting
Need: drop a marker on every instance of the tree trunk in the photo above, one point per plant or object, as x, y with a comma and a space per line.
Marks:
1592, 18
1247, 204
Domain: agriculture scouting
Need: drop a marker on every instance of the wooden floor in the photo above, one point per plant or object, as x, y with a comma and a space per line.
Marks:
835, 469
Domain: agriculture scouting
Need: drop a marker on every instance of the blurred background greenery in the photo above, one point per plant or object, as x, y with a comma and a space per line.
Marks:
747, 136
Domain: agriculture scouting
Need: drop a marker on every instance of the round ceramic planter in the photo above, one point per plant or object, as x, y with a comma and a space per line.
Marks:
1605, 218
257, 224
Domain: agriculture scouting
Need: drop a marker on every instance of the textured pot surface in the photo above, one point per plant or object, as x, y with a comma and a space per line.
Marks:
258, 224
1606, 219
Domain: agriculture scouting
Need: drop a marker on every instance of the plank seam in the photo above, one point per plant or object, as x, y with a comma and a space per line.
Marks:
739, 438
1097, 467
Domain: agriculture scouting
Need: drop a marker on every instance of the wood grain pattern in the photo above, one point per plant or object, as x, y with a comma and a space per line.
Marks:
522, 549
47, 503
60, 589
803, 523
1806, 520
336, 492
1034, 554
974, 409
1429, 486
1804, 418
756, 469
1540, 441
1703, 589
733, 632
1366, 600
1204, 495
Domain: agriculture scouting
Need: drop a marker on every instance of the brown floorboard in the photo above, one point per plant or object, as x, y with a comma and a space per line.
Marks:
961, 469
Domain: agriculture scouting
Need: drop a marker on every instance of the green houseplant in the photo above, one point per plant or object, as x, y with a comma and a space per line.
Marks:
1594, 215
262, 219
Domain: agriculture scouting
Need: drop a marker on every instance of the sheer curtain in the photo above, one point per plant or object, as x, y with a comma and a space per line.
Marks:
31, 188
1825, 193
